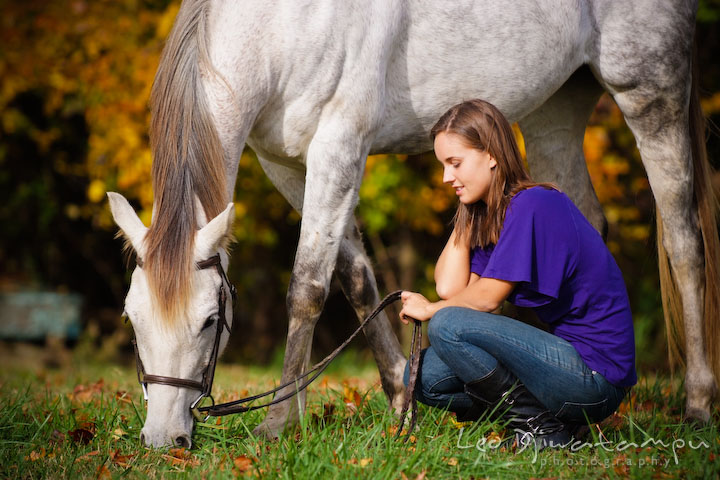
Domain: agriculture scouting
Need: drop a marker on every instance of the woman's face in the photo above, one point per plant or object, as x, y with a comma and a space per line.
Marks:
466, 169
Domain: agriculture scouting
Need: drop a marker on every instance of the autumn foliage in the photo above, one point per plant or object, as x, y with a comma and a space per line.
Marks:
76, 78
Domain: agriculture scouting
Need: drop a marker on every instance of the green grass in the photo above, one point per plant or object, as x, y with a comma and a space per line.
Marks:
69, 424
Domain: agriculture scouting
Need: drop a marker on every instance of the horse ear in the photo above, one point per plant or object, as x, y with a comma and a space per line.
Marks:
200, 217
212, 236
125, 217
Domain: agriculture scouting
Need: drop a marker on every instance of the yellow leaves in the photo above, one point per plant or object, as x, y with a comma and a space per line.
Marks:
519, 139
362, 463
711, 105
166, 21
96, 191
459, 425
351, 398
595, 143
36, 455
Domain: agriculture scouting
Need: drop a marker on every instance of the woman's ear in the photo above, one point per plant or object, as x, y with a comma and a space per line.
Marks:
493, 162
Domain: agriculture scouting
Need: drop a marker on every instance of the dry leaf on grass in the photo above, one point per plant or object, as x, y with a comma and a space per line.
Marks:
36, 455
84, 433
181, 457
87, 456
243, 463
86, 393
121, 460
351, 398
103, 472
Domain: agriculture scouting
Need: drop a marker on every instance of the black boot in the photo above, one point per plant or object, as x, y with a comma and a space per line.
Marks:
502, 393
472, 414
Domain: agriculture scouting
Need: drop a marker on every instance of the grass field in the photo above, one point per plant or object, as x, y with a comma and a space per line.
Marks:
83, 421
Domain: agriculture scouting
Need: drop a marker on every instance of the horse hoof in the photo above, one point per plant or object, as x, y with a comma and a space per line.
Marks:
697, 417
266, 431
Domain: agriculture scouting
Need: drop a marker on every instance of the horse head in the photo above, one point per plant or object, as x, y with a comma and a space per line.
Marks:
175, 355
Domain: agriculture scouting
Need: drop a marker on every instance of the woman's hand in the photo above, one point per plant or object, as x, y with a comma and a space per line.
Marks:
415, 306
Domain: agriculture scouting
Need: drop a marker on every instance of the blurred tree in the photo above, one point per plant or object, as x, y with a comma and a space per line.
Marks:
75, 80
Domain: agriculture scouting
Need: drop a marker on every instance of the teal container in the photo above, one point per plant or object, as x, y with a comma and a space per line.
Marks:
37, 315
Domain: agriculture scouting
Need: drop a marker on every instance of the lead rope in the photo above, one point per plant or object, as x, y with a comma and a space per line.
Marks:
410, 399
237, 406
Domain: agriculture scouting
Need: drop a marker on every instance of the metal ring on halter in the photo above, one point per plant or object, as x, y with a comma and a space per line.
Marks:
196, 412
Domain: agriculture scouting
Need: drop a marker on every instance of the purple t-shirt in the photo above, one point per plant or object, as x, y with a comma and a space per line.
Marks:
567, 275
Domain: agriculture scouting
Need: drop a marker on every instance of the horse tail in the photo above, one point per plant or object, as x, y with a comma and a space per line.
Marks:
187, 161
707, 207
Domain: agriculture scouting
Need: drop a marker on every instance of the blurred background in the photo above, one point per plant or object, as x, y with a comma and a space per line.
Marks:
75, 78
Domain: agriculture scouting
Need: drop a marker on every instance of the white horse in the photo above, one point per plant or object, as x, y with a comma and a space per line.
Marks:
314, 86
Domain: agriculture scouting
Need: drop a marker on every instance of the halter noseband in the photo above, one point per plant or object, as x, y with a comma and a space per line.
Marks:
204, 386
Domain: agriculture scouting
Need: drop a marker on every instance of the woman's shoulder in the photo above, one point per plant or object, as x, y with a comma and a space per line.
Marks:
537, 198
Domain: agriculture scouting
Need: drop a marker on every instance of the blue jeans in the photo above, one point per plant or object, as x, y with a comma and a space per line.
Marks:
467, 344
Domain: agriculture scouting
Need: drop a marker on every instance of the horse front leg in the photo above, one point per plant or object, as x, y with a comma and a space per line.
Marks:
334, 172
358, 283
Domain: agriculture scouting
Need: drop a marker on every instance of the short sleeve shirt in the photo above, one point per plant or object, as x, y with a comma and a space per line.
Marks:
567, 275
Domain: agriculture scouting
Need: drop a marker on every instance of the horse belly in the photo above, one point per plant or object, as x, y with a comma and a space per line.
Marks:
514, 57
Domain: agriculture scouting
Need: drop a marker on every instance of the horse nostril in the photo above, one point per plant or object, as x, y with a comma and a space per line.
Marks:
183, 441
142, 439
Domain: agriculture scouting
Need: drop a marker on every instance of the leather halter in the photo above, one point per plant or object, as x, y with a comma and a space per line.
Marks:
228, 408
205, 385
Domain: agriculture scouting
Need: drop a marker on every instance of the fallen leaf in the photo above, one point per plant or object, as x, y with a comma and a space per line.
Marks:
452, 461
614, 422
243, 463
121, 460
620, 465
86, 393
180, 457
118, 433
455, 423
123, 397
494, 437
57, 437
84, 433
352, 398
103, 472
36, 455
87, 456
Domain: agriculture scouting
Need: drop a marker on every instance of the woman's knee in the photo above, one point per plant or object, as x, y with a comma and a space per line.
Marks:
443, 325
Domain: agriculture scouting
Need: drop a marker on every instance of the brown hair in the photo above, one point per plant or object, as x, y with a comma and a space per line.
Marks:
188, 161
483, 127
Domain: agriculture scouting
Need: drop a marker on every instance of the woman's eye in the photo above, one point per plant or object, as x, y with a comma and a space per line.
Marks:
208, 323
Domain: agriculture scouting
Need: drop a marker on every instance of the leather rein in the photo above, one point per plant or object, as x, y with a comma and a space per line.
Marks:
202, 413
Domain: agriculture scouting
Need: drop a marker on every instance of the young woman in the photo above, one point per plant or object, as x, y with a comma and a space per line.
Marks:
527, 243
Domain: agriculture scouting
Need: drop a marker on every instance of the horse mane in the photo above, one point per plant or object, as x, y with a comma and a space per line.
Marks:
187, 162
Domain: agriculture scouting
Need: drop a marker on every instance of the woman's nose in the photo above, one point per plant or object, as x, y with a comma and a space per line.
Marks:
447, 176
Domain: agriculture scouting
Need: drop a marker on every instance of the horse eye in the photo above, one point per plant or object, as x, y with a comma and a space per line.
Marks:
125, 317
208, 323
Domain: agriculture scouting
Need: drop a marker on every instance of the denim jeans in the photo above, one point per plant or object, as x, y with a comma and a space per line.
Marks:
466, 345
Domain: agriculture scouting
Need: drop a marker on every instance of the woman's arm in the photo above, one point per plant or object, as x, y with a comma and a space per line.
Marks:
483, 294
452, 270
